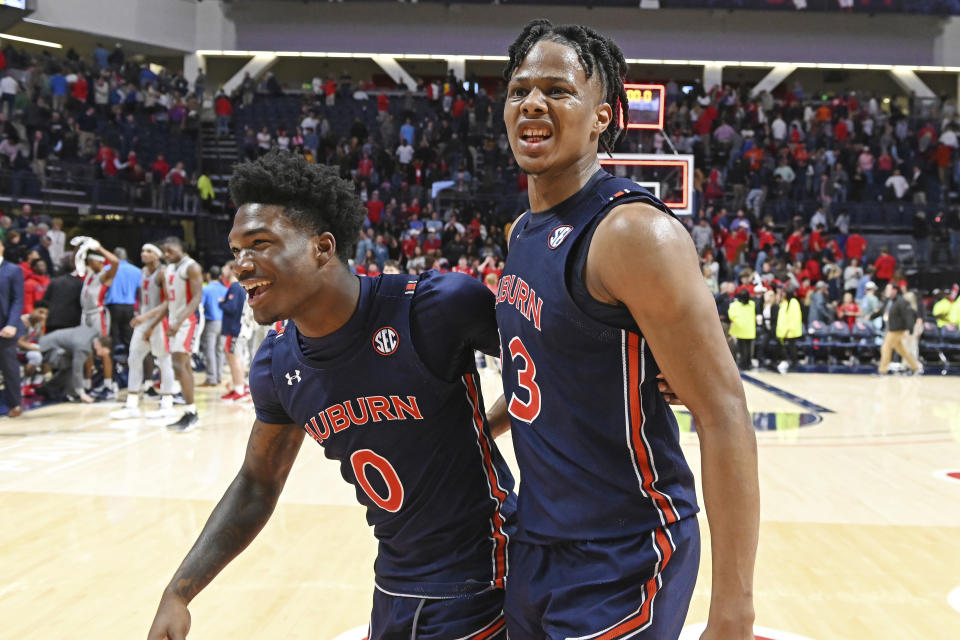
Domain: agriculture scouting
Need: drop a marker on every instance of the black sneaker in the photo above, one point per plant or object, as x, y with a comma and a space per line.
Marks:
152, 392
178, 399
187, 422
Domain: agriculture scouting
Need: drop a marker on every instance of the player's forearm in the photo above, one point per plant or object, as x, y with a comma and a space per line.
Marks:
498, 418
152, 318
234, 523
732, 497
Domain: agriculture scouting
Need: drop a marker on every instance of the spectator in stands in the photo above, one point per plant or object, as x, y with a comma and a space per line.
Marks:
899, 320
789, 327
852, 275
158, 177
176, 181
35, 284
264, 141
224, 110
11, 308
885, 265
9, 87
897, 186
743, 327
214, 356
231, 305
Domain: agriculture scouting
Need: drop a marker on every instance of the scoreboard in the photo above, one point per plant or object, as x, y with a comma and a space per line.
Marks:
647, 103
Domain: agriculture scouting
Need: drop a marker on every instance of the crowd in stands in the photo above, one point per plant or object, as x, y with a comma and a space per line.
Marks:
105, 117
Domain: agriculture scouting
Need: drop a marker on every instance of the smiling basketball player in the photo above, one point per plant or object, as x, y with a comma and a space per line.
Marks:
600, 293
381, 373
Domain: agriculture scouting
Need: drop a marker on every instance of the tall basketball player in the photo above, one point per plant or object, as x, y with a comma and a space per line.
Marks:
147, 340
600, 294
182, 288
380, 372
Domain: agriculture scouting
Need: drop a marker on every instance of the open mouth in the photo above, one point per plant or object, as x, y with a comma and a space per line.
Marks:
256, 289
535, 136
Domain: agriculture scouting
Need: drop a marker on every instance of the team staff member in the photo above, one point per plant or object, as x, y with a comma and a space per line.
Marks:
231, 305
210, 340
11, 306
121, 297
601, 292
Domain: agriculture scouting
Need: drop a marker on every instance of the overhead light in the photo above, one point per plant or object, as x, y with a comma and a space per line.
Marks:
42, 43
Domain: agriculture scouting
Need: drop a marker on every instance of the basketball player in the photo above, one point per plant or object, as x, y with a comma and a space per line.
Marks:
182, 288
600, 293
96, 282
149, 339
380, 372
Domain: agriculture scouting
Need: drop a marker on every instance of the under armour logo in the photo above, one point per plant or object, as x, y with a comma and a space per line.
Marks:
291, 378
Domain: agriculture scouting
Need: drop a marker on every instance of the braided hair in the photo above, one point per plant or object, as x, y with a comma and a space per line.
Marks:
597, 53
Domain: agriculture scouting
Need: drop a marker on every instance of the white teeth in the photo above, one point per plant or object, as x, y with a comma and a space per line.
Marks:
249, 286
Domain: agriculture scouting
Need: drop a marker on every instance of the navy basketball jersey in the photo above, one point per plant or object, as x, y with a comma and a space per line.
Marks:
597, 445
417, 448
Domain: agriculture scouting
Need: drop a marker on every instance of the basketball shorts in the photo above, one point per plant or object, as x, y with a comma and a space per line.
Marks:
187, 339
158, 345
99, 319
637, 587
468, 617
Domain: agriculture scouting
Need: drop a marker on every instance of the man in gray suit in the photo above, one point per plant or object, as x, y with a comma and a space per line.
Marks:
66, 350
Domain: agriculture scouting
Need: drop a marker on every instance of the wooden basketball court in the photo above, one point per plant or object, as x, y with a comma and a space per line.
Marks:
860, 534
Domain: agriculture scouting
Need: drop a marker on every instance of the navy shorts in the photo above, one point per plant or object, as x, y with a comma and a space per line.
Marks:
469, 617
636, 587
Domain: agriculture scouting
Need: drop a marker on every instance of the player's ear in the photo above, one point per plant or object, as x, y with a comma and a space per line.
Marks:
324, 247
604, 117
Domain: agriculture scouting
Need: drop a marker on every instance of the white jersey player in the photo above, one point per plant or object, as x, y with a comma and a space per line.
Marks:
149, 340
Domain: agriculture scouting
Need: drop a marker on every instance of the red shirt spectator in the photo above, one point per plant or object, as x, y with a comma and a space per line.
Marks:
816, 243
704, 124
79, 89
849, 312
732, 243
812, 267
160, 169
840, 132
383, 102
106, 158
431, 243
885, 265
374, 211
365, 167
222, 106
456, 110
330, 87
833, 249
33, 289
764, 238
795, 243
856, 244
409, 246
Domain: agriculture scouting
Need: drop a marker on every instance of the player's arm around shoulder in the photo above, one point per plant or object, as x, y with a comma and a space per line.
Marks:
646, 260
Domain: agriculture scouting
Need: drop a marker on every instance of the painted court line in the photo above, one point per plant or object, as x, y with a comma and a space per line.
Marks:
97, 454
786, 395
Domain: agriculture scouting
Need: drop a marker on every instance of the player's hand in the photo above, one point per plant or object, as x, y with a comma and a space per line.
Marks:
8, 332
172, 621
85, 399
136, 321
173, 327
666, 391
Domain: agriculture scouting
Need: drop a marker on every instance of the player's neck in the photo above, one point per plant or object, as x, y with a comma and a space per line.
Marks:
548, 189
331, 307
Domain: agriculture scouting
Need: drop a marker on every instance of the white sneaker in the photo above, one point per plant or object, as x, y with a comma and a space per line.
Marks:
783, 367
162, 412
127, 413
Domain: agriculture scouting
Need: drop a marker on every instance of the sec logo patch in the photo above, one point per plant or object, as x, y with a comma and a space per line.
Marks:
558, 235
386, 341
